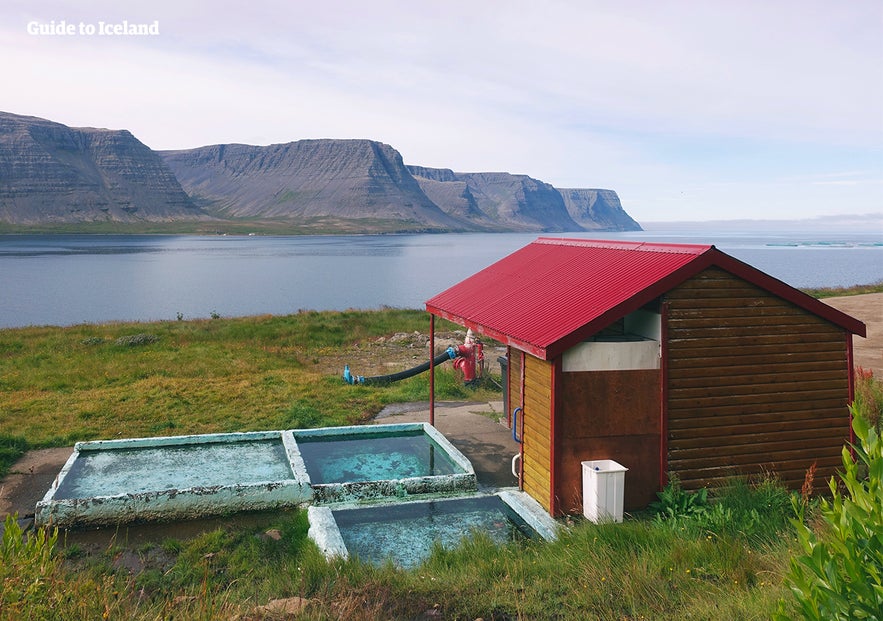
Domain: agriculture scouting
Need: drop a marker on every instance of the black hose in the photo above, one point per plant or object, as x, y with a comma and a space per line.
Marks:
395, 377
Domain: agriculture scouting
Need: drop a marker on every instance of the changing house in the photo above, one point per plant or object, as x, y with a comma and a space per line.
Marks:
667, 358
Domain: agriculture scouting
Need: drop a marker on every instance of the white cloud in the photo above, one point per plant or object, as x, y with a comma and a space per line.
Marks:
655, 100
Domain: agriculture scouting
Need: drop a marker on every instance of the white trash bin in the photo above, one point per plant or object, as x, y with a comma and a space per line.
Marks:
603, 488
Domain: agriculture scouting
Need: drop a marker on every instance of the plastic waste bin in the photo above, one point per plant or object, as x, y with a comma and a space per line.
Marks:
603, 489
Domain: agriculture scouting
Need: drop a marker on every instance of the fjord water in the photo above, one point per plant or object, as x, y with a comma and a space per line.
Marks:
70, 279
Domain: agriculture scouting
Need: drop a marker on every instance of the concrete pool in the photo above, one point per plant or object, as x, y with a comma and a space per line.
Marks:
397, 460
404, 533
379, 492
109, 482
182, 477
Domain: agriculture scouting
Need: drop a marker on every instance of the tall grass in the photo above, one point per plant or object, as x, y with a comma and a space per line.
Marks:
635, 570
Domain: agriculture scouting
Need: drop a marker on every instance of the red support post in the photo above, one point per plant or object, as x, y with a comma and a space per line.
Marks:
432, 370
663, 398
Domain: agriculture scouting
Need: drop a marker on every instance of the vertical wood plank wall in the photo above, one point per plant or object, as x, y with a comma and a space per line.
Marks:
538, 430
754, 384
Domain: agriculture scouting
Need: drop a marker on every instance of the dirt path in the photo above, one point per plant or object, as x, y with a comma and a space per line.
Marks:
868, 352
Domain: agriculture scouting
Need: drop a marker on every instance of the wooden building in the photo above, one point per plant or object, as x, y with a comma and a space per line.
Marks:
667, 358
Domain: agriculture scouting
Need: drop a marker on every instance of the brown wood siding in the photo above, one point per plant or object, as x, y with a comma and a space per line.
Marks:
538, 430
754, 384
608, 415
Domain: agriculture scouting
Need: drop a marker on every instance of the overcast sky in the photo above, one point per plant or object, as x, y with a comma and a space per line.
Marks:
701, 110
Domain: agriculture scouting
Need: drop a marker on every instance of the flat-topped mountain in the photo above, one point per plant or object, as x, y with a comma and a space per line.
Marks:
54, 175
336, 180
51, 173
367, 182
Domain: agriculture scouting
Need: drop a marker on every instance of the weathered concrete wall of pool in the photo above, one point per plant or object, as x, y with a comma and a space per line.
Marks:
182, 477
382, 461
404, 532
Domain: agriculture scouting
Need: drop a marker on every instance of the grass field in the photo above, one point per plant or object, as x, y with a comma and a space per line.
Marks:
725, 560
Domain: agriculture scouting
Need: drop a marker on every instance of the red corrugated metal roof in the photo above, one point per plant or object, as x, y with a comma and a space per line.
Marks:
554, 293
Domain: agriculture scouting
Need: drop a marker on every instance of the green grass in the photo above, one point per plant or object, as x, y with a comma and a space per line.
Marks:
830, 292
89, 382
58, 385
61, 385
635, 570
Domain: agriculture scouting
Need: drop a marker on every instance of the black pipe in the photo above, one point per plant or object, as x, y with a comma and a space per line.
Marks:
449, 354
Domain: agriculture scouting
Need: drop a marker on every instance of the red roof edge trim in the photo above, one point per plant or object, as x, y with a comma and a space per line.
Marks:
787, 292
505, 339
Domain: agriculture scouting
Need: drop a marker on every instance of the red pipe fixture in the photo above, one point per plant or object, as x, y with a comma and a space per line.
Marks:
470, 357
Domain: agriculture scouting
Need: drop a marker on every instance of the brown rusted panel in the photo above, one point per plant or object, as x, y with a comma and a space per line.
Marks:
638, 453
609, 403
608, 415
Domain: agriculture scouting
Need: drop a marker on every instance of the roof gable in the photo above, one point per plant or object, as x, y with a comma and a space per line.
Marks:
553, 293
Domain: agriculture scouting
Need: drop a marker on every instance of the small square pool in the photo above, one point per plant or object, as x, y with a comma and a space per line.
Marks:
404, 533
364, 462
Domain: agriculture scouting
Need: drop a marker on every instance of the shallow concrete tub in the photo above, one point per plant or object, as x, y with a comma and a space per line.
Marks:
460, 482
195, 496
325, 533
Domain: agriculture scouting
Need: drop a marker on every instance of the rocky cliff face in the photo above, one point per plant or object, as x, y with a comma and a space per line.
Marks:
597, 210
51, 173
331, 179
501, 201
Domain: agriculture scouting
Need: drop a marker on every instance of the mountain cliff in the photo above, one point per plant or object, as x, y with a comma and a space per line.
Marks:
51, 173
503, 201
330, 179
76, 178
597, 210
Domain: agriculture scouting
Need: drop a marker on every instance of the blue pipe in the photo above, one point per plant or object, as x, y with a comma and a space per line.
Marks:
515, 424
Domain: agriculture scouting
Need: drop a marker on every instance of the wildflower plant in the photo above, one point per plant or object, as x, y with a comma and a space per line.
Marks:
839, 576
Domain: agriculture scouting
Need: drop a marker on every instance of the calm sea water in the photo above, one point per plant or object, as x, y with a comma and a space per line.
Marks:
70, 279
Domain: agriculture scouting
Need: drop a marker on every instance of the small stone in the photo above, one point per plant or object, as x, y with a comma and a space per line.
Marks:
274, 533
285, 606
